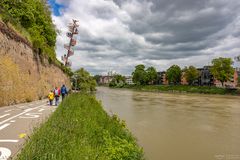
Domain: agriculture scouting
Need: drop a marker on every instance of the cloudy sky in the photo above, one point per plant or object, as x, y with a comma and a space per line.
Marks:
119, 34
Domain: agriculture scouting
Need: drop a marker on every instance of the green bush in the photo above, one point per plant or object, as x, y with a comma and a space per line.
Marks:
117, 148
32, 18
112, 84
84, 81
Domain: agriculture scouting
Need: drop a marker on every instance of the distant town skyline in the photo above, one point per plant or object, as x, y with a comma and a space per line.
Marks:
120, 34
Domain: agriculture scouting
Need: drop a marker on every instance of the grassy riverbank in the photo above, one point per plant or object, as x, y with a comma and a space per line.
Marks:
183, 89
81, 129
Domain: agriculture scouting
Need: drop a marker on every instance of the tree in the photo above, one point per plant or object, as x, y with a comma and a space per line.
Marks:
191, 74
151, 75
97, 78
174, 74
222, 69
139, 75
84, 81
118, 80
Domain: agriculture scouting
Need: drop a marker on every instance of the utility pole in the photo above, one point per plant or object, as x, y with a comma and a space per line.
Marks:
72, 27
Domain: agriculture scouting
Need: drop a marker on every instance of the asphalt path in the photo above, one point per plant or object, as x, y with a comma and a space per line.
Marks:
17, 123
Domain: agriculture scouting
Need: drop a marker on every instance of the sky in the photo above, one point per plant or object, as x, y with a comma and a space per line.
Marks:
117, 35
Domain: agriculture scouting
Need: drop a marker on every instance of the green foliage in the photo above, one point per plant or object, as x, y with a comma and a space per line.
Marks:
151, 75
191, 74
84, 81
97, 78
184, 89
59, 64
120, 149
222, 69
117, 81
142, 76
113, 83
139, 75
80, 129
174, 74
32, 16
119, 78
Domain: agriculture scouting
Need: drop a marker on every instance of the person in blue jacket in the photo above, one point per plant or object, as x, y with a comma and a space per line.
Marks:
64, 91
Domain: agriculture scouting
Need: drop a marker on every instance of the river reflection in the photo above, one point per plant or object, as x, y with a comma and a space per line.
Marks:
178, 126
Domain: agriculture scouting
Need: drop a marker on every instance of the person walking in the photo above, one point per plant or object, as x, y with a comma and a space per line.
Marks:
57, 93
51, 97
63, 91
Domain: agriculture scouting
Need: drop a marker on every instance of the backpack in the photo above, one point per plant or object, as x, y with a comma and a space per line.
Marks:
64, 90
56, 92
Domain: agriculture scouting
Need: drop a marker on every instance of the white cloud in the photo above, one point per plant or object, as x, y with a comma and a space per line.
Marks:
117, 35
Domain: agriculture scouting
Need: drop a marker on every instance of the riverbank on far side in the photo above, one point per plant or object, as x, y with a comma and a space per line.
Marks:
182, 89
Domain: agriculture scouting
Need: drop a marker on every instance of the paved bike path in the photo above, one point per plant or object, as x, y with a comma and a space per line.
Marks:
17, 123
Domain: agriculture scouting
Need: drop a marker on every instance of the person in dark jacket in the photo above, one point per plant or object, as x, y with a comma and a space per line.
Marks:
64, 91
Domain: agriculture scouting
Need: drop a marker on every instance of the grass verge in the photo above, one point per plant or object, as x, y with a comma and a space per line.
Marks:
184, 89
80, 129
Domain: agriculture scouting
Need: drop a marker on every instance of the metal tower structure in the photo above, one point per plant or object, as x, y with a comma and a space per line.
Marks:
72, 30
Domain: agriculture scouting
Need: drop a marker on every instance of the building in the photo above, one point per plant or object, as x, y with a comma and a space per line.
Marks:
238, 72
161, 78
231, 84
128, 80
205, 77
183, 79
105, 79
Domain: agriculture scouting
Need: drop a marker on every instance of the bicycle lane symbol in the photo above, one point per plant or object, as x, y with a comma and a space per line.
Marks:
5, 153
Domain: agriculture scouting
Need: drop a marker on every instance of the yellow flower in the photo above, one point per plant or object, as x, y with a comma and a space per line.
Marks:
22, 135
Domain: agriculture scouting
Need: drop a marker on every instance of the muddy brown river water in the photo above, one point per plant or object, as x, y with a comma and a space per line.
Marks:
178, 126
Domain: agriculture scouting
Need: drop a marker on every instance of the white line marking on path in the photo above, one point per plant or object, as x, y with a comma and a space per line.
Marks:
40, 110
4, 126
12, 121
21, 106
25, 111
5, 115
8, 140
8, 110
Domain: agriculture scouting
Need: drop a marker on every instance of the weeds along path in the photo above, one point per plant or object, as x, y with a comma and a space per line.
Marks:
81, 129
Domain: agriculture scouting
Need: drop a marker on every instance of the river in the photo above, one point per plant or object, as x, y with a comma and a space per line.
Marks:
178, 126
